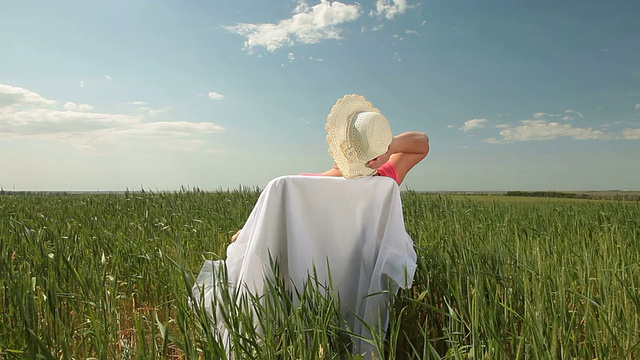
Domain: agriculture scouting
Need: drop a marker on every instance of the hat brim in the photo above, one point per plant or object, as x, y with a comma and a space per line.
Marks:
336, 127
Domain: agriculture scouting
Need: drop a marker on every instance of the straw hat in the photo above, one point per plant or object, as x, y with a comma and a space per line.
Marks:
356, 133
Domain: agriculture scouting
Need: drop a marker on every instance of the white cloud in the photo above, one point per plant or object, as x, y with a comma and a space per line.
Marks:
215, 96
16, 96
44, 122
412, 32
75, 125
473, 124
390, 8
73, 106
141, 103
538, 115
573, 112
81, 84
631, 134
308, 25
637, 106
153, 112
108, 77
423, 23
450, 126
291, 57
543, 130
377, 27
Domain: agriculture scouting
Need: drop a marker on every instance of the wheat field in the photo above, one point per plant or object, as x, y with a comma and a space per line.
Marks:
109, 276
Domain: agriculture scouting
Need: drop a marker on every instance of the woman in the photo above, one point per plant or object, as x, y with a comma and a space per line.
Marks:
405, 151
361, 144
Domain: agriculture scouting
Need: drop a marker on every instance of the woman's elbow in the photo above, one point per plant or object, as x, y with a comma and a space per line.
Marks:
423, 140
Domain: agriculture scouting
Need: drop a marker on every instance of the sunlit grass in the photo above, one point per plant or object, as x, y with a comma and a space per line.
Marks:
109, 276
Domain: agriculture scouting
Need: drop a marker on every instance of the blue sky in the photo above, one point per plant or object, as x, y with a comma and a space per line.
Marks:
514, 95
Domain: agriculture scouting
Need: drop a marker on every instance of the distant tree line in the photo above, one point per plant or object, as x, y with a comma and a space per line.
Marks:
552, 194
568, 195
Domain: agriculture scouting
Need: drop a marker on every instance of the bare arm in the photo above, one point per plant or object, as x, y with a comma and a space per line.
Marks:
334, 171
406, 150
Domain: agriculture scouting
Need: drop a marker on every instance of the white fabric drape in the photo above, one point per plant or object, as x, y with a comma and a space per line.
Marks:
354, 228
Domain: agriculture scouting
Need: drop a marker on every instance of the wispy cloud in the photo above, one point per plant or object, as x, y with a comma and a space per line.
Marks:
26, 114
631, 134
79, 107
637, 106
308, 25
215, 96
140, 103
573, 113
390, 8
473, 124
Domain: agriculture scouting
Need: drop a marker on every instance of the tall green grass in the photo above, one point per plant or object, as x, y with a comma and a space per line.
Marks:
110, 276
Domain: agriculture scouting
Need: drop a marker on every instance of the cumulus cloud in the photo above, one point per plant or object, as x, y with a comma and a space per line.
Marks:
530, 130
308, 25
16, 96
473, 124
215, 96
25, 114
538, 115
390, 8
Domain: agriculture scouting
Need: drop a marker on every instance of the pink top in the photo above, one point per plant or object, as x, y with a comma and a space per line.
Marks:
388, 169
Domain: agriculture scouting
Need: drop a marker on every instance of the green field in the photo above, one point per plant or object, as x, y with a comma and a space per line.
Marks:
108, 276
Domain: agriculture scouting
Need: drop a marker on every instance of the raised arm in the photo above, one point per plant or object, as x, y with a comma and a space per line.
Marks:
406, 150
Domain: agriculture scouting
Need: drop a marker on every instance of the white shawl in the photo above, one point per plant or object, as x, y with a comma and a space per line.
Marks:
303, 221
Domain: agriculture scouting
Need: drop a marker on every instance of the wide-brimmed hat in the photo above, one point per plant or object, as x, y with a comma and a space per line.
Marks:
356, 133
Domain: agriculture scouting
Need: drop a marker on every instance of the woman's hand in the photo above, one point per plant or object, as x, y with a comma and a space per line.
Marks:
380, 160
